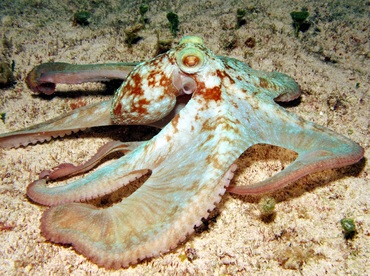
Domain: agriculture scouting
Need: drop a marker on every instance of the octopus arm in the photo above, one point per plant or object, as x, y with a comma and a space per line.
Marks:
79, 119
68, 169
318, 148
151, 221
46, 76
102, 182
275, 85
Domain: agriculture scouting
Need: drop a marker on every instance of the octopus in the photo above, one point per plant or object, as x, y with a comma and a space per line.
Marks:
210, 109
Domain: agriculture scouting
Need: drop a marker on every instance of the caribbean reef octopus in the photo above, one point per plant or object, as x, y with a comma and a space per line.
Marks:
210, 108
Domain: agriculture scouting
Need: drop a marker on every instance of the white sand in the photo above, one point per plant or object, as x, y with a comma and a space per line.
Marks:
306, 236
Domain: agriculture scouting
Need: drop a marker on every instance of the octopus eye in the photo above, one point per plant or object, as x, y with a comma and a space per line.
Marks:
190, 60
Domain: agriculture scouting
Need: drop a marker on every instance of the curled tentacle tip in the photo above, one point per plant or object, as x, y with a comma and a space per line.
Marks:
35, 79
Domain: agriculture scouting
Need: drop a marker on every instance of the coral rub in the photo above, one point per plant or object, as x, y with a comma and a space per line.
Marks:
211, 110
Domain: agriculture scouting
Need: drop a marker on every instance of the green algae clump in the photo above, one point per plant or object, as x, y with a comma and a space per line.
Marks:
142, 10
6, 74
267, 208
240, 20
299, 20
173, 18
349, 228
81, 18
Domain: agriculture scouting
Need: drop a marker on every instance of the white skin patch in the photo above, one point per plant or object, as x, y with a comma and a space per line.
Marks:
212, 81
153, 93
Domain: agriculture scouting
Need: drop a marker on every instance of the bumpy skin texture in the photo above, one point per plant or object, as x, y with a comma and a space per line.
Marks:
228, 107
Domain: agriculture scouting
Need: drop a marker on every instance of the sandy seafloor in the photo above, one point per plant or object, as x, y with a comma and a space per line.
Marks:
330, 61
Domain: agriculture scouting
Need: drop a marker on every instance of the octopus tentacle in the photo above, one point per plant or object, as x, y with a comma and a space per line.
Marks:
76, 191
318, 148
43, 78
93, 115
68, 169
97, 114
275, 85
127, 234
305, 164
